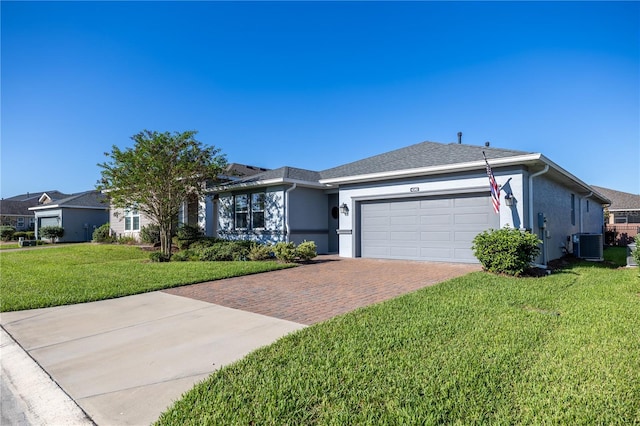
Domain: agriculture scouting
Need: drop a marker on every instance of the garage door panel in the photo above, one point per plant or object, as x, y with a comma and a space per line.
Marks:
438, 236
437, 229
471, 218
404, 236
464, 236
435, 219
404, 205
403, 253
435, 203
404, 220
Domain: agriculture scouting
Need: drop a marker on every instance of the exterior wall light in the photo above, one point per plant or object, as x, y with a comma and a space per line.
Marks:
509, 199
344, 209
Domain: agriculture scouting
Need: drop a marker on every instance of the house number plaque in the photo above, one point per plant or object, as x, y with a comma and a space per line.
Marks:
415, 189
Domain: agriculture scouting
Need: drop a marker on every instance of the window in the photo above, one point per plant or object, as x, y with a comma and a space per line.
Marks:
131, 220
242, 211
573, 209
249, 210
257, 210
587, 206
20, 222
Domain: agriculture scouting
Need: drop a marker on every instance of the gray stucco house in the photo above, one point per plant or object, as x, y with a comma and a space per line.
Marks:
423, 202
79, 214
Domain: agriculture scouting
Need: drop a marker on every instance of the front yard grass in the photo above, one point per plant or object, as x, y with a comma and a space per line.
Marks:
480, 349
88, 272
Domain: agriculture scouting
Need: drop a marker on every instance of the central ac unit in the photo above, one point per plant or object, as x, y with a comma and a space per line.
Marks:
588, 246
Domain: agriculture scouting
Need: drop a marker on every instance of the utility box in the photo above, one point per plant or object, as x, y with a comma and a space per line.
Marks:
631, 261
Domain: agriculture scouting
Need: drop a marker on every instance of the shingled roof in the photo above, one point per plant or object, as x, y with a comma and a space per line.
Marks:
620, 200
88, 200
425, 154
284, 174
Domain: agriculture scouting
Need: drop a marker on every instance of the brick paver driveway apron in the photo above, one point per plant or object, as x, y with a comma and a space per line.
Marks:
327, 287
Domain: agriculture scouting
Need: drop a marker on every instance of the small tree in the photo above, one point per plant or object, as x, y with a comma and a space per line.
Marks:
158, 174
52, 233
6, 232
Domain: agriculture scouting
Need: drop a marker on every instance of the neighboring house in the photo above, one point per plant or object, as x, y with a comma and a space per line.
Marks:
200, 212
624, 215
79, 214
422, 202
14, 211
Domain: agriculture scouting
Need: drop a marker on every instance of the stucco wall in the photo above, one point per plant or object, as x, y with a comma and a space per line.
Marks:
512, 179
553, 200
79, 224
309, 217
273, 231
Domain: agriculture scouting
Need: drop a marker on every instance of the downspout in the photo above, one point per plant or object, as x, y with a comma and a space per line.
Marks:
286, 210
544, 244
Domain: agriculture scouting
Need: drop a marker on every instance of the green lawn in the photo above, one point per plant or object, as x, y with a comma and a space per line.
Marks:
481, 349
88, 272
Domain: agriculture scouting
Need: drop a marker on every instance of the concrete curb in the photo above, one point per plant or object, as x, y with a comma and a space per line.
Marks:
34, 398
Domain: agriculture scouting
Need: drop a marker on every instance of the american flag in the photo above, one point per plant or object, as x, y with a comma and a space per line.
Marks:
495, 191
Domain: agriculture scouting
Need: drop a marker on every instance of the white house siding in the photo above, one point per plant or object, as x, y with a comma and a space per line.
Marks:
116, 224
429, 186
553, 200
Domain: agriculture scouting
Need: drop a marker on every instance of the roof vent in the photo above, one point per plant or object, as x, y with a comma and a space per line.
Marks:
487, 144
459, 137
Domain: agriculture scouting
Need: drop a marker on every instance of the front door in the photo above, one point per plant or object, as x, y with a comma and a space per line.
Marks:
334, 223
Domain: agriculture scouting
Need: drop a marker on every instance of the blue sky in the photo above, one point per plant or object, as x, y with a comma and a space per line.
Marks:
318, 84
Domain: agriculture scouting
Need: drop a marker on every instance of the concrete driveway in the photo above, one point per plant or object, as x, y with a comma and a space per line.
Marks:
124, 361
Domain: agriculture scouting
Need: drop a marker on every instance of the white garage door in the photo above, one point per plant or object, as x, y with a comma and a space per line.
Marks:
434, 228
49, 221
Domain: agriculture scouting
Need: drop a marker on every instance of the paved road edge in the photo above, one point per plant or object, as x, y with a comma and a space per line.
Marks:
43, 401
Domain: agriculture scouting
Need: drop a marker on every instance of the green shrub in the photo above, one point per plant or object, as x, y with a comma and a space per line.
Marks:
259, 252
127, 240
101, 234
150, 234
636, 252
285, 252
158, 256
19, 234
185, 256
506, 251
6, 232
187, 235
224, 251
203, 243
31, 235
52, 233
306, 251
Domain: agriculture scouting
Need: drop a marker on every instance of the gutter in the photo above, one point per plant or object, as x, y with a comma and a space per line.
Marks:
286, 210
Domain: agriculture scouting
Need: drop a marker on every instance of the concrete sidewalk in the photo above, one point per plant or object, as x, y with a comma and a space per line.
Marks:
124, 361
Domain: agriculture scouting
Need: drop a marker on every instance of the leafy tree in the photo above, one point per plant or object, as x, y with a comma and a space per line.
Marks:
158, 174
52, 233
